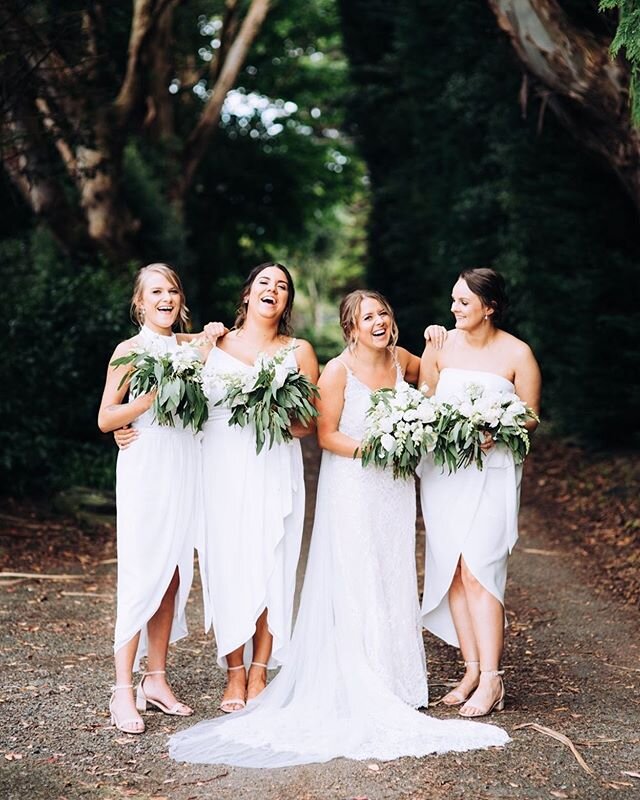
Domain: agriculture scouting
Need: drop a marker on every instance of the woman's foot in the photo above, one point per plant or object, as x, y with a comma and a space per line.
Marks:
257, 679
488, 696
154, 690
457, 696
235, 692
123, 710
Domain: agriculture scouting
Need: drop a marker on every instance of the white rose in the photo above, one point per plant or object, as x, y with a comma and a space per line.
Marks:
425, 412
410, 414
386, 424
388, 442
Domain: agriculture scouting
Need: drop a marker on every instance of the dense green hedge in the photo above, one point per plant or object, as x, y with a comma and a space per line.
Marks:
460, 178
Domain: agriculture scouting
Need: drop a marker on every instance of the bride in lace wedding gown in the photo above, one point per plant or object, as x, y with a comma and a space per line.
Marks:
356, 668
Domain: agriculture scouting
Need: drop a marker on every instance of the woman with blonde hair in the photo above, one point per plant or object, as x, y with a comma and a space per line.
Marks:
356, 668
158, 510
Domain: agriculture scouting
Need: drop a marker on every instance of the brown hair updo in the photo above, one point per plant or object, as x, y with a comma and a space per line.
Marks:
490, 287
350, 309
136, 310
284, 325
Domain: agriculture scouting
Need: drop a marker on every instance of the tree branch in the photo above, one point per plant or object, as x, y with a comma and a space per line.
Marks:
146, 15
586, 90
204, 130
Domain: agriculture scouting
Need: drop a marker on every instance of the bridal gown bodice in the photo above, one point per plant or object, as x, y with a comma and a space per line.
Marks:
159, 514
471, 513
356, 670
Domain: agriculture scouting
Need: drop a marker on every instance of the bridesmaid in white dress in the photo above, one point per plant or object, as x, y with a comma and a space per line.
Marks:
356, 669
254, 504
158, 498
471, 516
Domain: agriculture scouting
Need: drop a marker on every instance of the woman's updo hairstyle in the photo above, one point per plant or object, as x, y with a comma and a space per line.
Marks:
490, 287
137, 310
350, 310
284, 326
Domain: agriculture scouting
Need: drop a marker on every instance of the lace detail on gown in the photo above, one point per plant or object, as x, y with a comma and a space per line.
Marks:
356, 667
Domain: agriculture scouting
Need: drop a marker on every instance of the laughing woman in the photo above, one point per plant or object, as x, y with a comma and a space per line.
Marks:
158, 502
254, 503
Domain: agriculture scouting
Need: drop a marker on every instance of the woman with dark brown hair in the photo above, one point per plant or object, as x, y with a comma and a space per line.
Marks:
254, 503
471, 516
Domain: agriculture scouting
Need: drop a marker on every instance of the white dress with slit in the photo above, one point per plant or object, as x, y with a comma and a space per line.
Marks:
254, 514
356, 671
159, 510
471, 513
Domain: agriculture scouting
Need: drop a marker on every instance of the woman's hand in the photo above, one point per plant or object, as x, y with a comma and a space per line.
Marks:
125, 436
214, 331
436, 334
488, 443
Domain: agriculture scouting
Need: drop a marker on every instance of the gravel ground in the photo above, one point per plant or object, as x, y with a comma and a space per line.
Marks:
572, 665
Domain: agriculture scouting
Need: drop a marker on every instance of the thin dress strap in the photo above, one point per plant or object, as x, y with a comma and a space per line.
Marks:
399, 369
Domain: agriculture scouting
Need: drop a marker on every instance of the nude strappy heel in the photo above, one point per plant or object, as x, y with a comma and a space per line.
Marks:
135, 725
264, 666
470, 712
178, 709
459, 698
225, 705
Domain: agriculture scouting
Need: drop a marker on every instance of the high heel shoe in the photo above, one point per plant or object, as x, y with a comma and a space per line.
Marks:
178, 709
264, 666
135, 725
471, 712
458, 697
225, 705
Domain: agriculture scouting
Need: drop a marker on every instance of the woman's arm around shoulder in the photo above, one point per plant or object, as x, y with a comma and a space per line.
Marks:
528, 379
429, 369
113, 414
330, 404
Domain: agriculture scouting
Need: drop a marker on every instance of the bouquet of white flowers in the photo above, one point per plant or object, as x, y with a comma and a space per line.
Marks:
402, 426
468, 418
270, 398
177, 377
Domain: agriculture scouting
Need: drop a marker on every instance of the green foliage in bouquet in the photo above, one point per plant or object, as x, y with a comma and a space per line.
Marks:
269, 399
466, 422
177, 379
402, 427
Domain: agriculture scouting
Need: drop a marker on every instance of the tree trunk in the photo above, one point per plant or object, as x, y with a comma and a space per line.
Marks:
579, 82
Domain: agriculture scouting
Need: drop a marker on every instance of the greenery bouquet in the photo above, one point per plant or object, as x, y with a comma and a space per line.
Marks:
468, 418
269, 398
402, 426
177, 378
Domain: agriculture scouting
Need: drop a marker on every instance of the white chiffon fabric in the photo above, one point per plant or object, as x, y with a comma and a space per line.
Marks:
158, 500
356, 670
254, 515
471, 513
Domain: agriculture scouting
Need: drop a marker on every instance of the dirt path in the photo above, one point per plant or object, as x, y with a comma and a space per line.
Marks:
572, 664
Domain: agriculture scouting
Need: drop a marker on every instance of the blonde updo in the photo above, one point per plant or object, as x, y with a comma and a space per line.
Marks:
350, 310
137, 311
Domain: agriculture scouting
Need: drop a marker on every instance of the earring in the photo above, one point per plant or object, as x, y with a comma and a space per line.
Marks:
486, 317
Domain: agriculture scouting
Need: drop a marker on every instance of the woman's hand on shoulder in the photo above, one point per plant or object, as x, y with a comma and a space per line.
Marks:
436, 335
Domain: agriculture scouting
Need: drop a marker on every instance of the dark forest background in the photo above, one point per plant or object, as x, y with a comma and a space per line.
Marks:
361, 143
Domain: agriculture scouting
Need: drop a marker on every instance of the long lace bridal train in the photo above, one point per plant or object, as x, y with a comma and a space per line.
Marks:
355, 673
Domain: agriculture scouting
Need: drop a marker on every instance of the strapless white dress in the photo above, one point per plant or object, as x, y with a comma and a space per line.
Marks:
159, 512
356, 670
471, 513
254, 514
